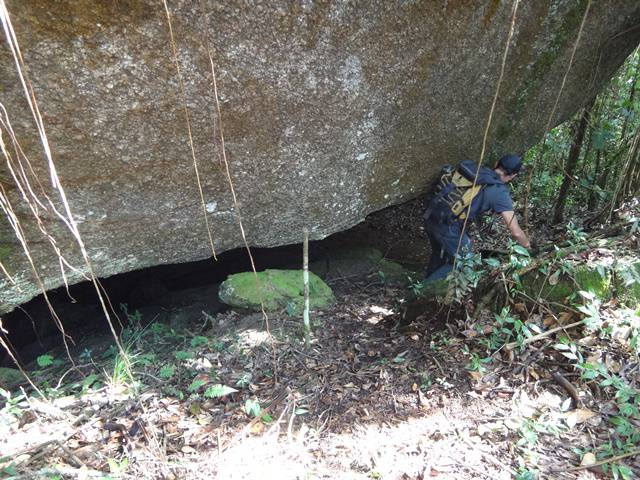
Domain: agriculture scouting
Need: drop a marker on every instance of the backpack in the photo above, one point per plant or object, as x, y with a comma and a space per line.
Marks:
454, 191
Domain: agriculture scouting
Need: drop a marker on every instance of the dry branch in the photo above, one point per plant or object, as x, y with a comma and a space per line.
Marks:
535, 338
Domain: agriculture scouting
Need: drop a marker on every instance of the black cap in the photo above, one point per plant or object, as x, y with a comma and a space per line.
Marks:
510, 163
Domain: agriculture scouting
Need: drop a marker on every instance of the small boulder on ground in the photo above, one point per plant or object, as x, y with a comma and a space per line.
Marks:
356, 262
278, 289
619, 277
627, 281
10, 378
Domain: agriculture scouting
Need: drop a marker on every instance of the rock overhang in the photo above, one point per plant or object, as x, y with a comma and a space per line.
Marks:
330, 112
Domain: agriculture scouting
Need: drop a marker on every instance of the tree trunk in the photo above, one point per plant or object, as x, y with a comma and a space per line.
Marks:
594, 117
592, 203
626, 187
632, 94
572, 161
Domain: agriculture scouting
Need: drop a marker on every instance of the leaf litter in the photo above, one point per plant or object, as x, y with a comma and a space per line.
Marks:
370, 399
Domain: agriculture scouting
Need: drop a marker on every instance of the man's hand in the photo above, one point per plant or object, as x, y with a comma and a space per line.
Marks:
514, 227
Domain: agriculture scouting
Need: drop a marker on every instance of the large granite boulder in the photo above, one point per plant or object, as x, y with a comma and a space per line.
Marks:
331, 110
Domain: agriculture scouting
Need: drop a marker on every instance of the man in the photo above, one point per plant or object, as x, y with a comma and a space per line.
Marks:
445, 229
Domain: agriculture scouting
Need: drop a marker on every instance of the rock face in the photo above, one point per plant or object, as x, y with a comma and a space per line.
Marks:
331, 110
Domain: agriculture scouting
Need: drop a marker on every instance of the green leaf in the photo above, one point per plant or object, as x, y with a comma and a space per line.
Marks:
535, 328
89, 380
244, 380
587, 295
117, 467
199, 341
291, 309
45, 360
627, 409
625, 472
146, 359
266, 418
492, 262
110, 352
171, 390
167, 371
218, 390
252, 408
182, 355
400, 358
519, 249
195, 385
10, 470
159, 328
614, 471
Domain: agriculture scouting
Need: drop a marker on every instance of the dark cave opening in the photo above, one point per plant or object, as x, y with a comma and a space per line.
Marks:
169, 293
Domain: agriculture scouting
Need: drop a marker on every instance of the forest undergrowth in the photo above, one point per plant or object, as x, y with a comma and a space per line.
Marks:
521, 388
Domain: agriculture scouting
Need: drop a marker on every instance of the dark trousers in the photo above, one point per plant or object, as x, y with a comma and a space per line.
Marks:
445, 238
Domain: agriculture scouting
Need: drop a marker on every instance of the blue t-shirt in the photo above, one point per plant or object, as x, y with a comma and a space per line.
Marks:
494, 198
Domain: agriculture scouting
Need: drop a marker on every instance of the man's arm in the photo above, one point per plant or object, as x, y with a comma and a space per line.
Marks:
514, 227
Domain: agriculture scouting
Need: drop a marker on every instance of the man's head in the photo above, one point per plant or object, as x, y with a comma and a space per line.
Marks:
508, 167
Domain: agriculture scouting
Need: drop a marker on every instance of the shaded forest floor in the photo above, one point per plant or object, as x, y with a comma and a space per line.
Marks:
371, 398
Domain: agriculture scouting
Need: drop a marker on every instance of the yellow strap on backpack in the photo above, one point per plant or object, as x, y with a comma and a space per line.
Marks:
460, 207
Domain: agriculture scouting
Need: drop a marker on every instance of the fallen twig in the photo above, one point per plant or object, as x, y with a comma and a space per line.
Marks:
568, 387
39, 447
532, 357
27, 451
535, 338
71, 457
597, 464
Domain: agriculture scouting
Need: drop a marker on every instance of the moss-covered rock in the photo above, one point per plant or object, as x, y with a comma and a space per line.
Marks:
627, 281
393, 272
436, 288
619, 277
358, 262
590, 279
5, 251
278, 289
347, 262
10, 378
